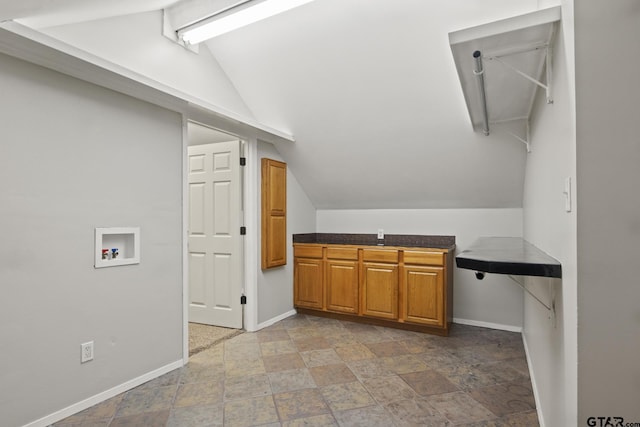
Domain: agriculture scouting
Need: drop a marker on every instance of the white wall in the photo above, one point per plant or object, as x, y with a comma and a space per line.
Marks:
496, 301
552, 345
74, 157
608, 160
275, 285
136, 42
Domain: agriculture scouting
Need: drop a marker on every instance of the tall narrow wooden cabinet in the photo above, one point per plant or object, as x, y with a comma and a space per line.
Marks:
274, 213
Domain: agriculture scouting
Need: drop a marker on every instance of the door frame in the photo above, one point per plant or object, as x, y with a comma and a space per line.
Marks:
249, 252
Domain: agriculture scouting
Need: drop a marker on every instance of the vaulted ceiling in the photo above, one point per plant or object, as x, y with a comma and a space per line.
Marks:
368, 89
41, 13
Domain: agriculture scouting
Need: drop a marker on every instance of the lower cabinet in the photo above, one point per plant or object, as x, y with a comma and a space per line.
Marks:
380, 290
423, 295
342, 286
408, 288
308, 283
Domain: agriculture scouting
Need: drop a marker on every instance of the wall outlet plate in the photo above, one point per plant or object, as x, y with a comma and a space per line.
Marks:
86, 352
380, 233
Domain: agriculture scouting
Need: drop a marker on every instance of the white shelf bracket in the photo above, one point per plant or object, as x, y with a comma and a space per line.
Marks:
551, 308
548, 67
526, 140
546, 87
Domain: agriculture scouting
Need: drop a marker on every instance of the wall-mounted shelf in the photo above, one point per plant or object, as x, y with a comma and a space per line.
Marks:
116, 246
513, 256
508, 255
501, 65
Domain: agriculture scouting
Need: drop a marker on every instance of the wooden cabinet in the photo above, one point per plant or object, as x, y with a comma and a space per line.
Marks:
380, 290
426, 293
341, 279
308, 280
380, 283
274, 213
423, 295
408, 288
342, 286
308, 283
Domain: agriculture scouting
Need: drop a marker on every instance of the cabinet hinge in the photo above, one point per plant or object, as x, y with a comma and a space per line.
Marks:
243, 161
243, 231
243, 299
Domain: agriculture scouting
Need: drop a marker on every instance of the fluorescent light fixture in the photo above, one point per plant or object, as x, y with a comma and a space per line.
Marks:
244, 13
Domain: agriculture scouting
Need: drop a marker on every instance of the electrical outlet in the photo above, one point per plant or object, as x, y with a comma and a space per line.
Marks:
380, 233
86, 352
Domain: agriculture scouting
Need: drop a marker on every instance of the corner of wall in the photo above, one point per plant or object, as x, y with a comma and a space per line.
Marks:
552, 345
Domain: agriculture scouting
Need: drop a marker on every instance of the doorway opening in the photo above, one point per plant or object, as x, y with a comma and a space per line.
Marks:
214, 216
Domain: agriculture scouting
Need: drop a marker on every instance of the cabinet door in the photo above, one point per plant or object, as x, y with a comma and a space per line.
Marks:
307, 283
274, 213
423, 296
342, 286
380, 290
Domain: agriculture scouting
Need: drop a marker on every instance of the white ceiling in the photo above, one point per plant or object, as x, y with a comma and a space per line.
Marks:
370, 92
45, 13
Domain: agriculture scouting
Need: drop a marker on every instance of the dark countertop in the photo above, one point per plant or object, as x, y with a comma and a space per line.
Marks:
406, 240
508, 255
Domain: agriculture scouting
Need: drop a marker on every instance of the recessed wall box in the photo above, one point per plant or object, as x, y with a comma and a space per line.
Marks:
116, 246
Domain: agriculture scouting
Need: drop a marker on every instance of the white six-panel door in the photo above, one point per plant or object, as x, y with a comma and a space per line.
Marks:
215, 264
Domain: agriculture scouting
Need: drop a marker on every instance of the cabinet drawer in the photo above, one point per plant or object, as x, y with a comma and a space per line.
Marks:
310, 251
380, 255
425, 258
342, 253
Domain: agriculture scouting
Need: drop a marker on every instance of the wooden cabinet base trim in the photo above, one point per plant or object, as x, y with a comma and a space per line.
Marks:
378, 322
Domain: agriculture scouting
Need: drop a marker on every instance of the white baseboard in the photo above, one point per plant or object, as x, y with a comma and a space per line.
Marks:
489, 325
533, 383
101, 397
276, 319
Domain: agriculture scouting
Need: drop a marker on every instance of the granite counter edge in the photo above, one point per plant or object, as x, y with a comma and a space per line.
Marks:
406, 240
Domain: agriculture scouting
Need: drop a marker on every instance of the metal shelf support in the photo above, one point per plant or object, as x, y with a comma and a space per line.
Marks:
550, 308
548, 65
524, 288
526, 140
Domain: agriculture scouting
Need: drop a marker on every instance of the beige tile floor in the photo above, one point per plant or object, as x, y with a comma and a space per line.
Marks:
311, 371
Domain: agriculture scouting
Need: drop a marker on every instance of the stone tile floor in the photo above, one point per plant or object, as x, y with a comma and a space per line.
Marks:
203, 337
312, 371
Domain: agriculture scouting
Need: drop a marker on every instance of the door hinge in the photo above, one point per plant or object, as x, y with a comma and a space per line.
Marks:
243, 231
243, 299
243, 161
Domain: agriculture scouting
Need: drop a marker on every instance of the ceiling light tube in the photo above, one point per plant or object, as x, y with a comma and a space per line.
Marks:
479, 73
236, 17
